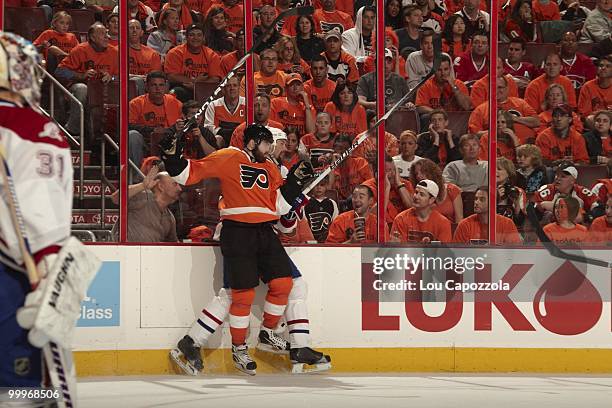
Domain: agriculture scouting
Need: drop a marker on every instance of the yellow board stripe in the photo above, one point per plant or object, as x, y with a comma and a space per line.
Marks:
363, 360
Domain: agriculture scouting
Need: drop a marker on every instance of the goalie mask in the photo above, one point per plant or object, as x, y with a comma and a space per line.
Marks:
18, 68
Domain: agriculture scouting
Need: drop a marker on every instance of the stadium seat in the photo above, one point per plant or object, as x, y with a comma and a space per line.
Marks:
203, 90
25, 21
468, 202
401, 120
81, 19
458, 122
588, 175
553, 30
585, 48
103, 105
536, 53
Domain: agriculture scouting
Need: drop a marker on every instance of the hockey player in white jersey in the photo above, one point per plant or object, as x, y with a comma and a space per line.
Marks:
35, 215
303, 358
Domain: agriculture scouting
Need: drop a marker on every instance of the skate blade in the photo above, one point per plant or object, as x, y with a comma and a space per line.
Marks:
187, 368
246, 371
270, 349
303, 368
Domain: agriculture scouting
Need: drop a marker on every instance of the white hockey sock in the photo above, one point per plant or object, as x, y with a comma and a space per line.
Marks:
211, 317
296, 315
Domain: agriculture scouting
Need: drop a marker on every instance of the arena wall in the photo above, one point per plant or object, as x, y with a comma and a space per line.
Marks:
145, 297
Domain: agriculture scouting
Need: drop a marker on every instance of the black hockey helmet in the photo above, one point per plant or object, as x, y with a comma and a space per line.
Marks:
257, 133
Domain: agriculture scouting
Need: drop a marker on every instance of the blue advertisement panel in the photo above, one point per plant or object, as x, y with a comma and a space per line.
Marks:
102, 305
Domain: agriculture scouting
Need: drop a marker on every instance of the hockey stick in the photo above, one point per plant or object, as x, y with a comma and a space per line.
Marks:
58, 360
553, 249
359, 140
192, 122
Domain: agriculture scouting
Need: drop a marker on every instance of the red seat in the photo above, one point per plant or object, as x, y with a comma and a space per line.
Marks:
468, 202
203, 90
402, 119
81, 19
25, 21
458, 122
589, 174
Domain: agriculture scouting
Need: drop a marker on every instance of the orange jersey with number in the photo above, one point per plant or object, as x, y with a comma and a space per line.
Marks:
144, 60
145, 112
351, 123
601, 231
408, 228
182, 62
471, 228
250, 190
565, 236
83, 57
320, 96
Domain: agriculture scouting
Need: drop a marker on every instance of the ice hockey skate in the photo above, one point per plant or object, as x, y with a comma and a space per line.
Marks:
271, 342
306, 360
242, 360
187, 356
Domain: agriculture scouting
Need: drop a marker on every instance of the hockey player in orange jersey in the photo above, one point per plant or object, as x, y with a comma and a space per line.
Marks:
254, 197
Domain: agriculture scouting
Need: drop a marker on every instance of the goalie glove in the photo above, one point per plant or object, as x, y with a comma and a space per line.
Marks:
299, 175
51, 310
172, 149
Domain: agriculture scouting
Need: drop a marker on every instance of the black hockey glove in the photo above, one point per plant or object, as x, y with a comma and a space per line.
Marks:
299, 175
171, 150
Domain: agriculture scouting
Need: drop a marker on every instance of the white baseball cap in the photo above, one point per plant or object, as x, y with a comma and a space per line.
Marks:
429, 186
277, 134
571, 170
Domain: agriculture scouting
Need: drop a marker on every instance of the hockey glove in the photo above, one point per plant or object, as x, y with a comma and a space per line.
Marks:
288, 222
172, 149
299, 175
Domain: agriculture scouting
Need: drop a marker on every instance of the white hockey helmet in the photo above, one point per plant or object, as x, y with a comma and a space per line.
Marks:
18, 68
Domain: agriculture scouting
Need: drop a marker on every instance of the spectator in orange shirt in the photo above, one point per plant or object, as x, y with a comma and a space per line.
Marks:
351, 172
56, 42
422, 223
439, 144
142, 58
601, 228
560, 142
555, 95
329, 18
475, 228
290, 61
596, 94
94, 59
565, 230
223, 115
507, 141
294, 109
455, 40
480, 90
191, 62
269, 79
261, 116
235, 11
343, 229
443, 91
319, 88
151, 113
546, 10
534, 93
341, 66
599, 139
229, 61
186, 16
320, 142
448, 202
348, 117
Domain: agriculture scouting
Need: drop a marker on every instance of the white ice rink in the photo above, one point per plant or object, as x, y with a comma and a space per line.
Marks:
351, 391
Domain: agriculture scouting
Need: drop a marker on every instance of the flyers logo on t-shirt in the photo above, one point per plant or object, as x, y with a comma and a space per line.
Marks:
319, 221
249, 176
325, 27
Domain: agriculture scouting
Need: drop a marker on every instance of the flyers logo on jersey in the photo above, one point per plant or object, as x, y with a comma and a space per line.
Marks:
249, 176
319, 221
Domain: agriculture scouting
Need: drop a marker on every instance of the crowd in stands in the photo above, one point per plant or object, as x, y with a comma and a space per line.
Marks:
315, 82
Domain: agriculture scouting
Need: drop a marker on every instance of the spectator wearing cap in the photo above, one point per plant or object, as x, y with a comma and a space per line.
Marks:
407, 157
319, 88
564, 185
534, 93
422, 224
223, 115
329, 18
149, 218
596, 94
261, 116
597, 27
522, 71
151, 113
419, 63
469, 173
218, 37
475, 19
578, 67
438, 144
443, 91
266, 31
269, 79
601, 228
599, 139
341, 66
344, 229
295, 108
560, 142
474, 64
166, 36
358, 41
480, 90
525, 118
191, 62
410, 35
348, 117
475, 228
565, 229
395, 86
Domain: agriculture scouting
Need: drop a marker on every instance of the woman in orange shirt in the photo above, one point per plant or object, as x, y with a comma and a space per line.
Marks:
564, 231
454, 39
348, 117
112, 23
57, 41
448, 202
289, 59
